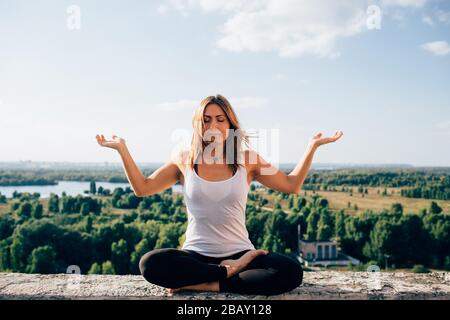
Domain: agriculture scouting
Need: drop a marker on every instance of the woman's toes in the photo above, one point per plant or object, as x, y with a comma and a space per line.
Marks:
171, 291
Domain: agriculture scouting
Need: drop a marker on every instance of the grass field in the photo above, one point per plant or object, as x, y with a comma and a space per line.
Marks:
337, 201
372, 201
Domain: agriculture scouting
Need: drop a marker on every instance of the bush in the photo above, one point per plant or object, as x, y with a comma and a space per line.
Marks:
419, 268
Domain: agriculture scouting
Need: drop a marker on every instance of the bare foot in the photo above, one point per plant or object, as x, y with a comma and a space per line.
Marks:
237, 265
206, 286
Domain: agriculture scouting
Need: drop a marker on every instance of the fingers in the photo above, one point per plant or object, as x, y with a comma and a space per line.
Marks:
260, 252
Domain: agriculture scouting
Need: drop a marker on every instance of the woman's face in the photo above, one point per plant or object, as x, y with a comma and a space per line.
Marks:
216, 122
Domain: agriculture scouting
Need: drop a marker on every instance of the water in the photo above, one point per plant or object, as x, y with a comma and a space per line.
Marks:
74, 188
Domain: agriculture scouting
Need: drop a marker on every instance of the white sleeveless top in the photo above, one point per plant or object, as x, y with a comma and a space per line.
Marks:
216, 214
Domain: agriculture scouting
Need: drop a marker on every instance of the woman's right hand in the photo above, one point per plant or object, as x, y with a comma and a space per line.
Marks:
115, 143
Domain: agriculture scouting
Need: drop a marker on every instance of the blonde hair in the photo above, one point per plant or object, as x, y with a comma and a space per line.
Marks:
239, 136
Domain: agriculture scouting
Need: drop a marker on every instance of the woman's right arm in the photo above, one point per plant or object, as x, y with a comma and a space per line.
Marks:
161, 179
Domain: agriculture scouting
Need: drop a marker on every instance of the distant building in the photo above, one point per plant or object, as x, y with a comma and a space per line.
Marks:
323, 253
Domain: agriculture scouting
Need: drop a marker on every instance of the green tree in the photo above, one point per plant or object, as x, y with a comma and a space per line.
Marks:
119, 256
95, 269
139, 250
84, 208
435, 208
397, 208
323, 203
325, 226
37, 210
53, 203
311, 230
24, 210
339, 225
42, 260
168, 236
92, 188
383, 241
108, 268
88, 224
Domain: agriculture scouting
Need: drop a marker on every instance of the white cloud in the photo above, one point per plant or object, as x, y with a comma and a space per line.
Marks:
404, 3
291, 28
162, 9
443, 16
428, 20
438, 48
438, 16
237, 103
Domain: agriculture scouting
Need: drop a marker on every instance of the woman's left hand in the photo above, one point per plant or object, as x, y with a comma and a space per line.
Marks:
317, 140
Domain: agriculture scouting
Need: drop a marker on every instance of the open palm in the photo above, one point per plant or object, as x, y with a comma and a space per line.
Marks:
318, 140
115, 143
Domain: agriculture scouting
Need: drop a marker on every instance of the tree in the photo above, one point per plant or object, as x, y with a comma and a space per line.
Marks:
311, 229
383, 241
301, 202
325, 226
85, 209
37, 210
7, 224
397, 208
42, 260
95, 269
414, 241
53, 203
434, 207
32, 234
24, 210
88, 224
92, 188
119, 256
274, 228
108, 268
291, 203
168, 236
323, 203
339, 225
139, 250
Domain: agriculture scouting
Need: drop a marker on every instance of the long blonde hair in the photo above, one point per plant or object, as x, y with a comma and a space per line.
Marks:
241, 138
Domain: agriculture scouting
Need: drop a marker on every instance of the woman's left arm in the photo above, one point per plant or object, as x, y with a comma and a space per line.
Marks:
274, 178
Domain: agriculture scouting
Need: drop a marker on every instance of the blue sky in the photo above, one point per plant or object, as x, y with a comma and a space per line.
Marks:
138, 69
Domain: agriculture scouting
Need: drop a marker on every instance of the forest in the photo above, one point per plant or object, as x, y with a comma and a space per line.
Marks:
106, 232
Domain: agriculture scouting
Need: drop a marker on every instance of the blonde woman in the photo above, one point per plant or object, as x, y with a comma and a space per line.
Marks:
216, 173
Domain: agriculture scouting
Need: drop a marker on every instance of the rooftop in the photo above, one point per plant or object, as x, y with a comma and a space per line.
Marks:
326, 285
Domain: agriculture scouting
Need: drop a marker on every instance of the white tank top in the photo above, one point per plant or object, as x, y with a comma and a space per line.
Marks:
216, 214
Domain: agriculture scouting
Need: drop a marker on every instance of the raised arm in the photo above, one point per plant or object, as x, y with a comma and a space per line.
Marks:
276, 179
161, 179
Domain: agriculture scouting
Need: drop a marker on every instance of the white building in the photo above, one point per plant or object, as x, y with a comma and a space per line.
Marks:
323, 253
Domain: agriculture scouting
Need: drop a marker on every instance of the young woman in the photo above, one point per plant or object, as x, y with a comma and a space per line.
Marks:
216, 173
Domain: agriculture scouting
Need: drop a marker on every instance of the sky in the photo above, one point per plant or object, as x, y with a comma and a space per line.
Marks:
377, 70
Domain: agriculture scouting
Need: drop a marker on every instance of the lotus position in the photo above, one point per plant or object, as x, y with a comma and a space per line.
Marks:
216, 172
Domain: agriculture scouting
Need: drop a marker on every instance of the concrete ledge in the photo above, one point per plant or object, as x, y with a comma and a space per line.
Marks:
323, 285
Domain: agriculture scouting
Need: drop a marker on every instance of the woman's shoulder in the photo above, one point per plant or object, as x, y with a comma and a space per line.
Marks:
181, 159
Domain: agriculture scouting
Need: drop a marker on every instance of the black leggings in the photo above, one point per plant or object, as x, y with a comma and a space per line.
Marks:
269, 274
